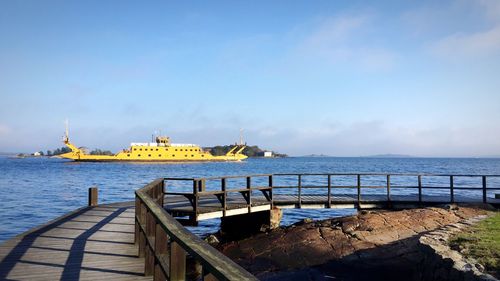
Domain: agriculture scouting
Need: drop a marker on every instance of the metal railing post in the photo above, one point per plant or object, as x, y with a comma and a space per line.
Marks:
359, 190
224, 196
249, 188
299, 186
270, 183
329, 204
389, 188
420, 188
452, 195
485, 199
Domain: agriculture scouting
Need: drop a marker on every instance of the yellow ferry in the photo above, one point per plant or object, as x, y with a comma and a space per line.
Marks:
161, 150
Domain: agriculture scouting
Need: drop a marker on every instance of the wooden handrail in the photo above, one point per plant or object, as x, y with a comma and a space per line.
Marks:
390, 179
165, 243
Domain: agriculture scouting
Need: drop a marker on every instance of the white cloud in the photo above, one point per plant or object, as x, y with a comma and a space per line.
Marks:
491, 8
343, 40
4, 130
378, 137
460, 30
478, 44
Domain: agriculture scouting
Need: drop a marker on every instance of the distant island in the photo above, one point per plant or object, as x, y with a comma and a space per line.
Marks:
390, 156
250, 151
316, 155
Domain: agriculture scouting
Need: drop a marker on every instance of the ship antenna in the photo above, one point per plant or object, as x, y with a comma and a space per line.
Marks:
241, 136
67, 129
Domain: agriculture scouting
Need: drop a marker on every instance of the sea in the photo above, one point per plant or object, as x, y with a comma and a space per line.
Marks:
36, 190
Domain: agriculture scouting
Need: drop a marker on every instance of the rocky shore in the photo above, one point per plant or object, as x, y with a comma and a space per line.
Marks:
373, 245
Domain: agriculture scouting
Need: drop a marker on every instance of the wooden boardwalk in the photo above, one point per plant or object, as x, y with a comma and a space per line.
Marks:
92, 243
210, 207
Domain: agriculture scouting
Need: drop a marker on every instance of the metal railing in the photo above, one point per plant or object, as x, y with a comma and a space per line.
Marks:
164, 243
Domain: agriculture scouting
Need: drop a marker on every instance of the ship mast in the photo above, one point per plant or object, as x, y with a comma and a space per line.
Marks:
66, 136
241, 136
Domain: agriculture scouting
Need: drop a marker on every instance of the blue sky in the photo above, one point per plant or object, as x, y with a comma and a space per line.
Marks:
343, 78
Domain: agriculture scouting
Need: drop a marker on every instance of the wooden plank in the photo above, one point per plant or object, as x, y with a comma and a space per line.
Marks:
72, 248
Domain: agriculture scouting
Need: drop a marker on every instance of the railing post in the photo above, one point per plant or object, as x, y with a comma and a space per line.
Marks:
177, 262
329, 204
195, 201
149, 266
142, 235
485, 199
161, 250
359, 191
249, 188
161, 200
452, 195
299, 186
93, 196
271, 190
201, 184
136, 219
389, 188
224, 196
420, 188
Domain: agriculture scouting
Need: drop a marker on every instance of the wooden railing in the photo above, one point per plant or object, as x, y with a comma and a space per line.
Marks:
164, 243
245, 190
332, 182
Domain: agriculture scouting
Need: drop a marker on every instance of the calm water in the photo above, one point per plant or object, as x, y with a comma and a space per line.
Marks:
35, 190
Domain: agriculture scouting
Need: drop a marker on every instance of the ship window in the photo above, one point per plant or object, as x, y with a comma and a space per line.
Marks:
180, 149
139, 155
140, 149
159, 155
135, 149
173, 155
186, 155
176, 149
192, 155
190, 150
166, 149
128, 155
157, 149
203, 156
149, 155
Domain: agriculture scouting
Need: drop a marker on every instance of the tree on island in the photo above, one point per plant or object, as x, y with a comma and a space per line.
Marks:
101, 152
250, 151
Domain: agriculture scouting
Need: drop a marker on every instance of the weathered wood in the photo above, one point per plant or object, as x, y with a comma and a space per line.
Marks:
177, 262
183, 241
71, 248
93, 196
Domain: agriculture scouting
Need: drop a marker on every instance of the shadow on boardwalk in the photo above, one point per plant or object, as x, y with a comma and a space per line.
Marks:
88, 244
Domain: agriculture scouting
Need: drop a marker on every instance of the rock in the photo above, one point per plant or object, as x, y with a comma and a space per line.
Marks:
382, 245
307, 220
212, 240
479, 267
451, 207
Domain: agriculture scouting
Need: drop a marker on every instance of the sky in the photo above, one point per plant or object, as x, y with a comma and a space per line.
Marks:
342, 78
